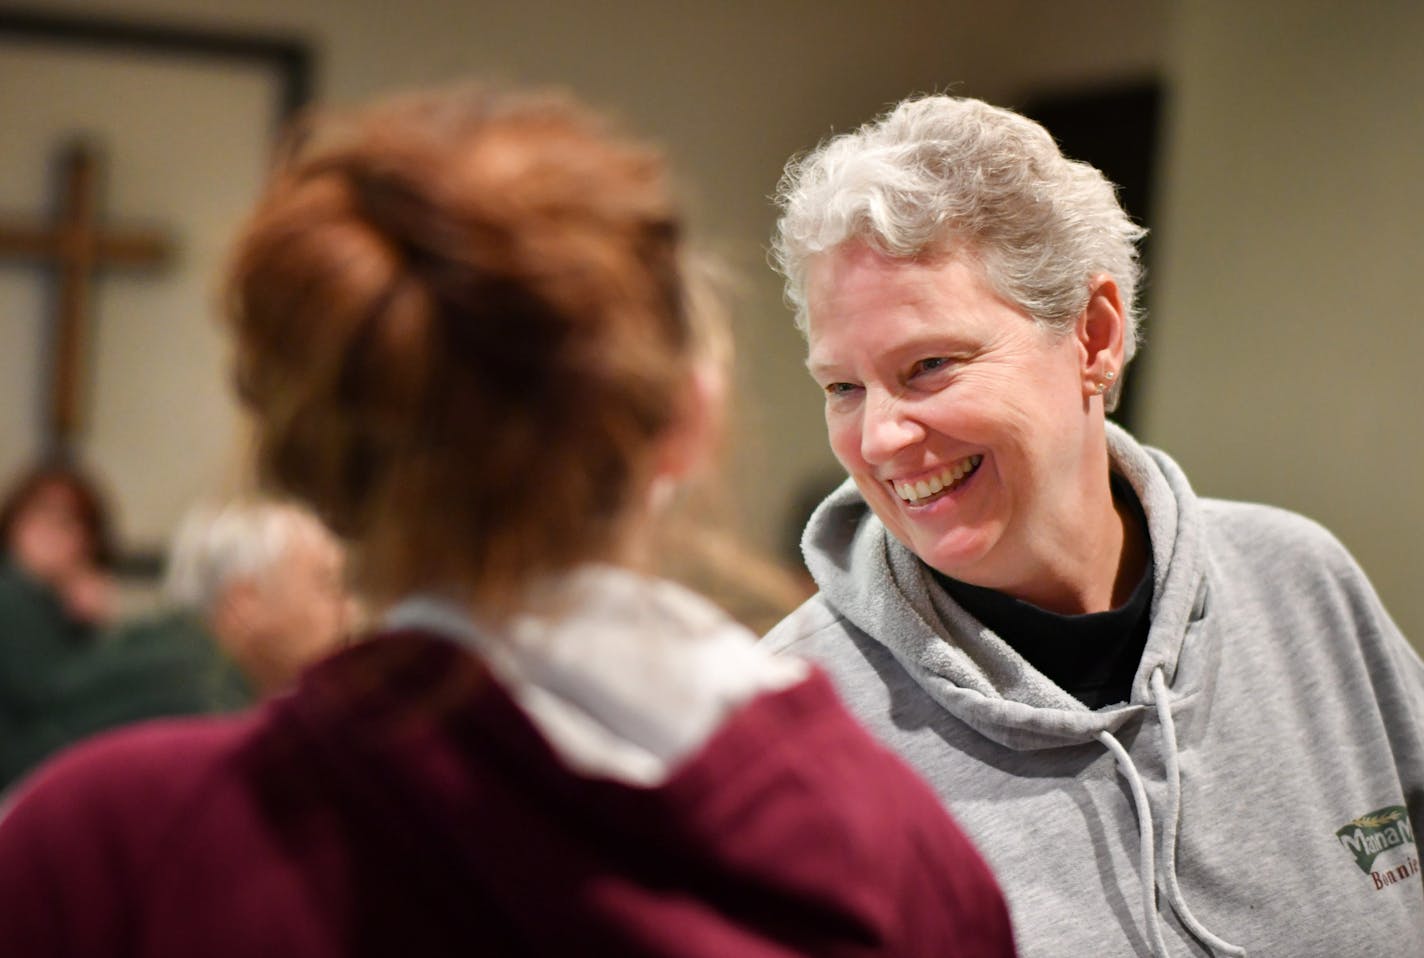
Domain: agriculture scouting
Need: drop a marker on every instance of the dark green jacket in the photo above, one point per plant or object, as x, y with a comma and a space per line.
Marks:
39, 643
62, 681
166, 664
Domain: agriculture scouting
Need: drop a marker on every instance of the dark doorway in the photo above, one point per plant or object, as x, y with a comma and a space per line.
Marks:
1115, 129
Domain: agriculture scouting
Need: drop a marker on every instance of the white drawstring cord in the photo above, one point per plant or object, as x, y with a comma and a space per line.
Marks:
1174, 810
1148, 876
1148, 866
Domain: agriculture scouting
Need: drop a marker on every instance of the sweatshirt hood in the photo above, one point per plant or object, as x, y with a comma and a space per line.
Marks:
884, 590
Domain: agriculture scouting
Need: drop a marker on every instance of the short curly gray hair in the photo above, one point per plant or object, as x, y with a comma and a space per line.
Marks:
939, 173
218, 545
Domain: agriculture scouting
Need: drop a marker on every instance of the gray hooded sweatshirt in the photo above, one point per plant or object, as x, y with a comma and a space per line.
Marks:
1257, 794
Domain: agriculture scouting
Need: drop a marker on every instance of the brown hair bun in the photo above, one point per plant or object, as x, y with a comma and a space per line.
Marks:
459, 321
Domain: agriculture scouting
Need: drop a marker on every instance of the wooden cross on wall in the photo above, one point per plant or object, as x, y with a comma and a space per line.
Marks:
74, 244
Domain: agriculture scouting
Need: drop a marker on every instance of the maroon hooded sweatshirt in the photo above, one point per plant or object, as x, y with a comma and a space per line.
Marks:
399, 802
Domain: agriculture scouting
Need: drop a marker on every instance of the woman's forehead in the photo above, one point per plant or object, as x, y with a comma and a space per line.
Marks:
862, 297
854, 271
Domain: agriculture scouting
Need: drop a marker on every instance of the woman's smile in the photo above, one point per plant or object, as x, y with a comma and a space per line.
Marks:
939, 484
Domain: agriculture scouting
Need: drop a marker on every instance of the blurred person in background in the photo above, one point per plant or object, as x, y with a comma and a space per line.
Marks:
465, 329
267, 581
56, 595
55, 533
254, 593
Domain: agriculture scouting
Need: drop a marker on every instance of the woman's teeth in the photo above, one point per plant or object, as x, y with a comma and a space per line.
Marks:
947, 478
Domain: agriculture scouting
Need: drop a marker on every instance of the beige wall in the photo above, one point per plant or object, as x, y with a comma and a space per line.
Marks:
1285, 352
732, 88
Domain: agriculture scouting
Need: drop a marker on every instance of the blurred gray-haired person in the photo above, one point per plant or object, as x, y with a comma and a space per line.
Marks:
267, 580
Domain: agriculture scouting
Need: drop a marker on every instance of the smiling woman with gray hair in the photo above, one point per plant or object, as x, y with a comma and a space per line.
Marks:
1174, 725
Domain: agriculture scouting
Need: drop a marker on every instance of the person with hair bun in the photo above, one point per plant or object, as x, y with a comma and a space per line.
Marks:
467, 332
1174, 725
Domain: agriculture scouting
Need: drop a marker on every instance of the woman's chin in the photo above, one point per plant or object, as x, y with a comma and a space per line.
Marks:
959, 557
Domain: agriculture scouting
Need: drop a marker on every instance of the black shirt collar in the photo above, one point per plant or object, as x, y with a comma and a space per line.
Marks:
1093, 657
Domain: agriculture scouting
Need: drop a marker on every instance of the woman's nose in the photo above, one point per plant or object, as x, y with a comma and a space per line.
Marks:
887, 429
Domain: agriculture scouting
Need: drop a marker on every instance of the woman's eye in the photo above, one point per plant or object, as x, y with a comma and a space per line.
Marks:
931, 364
839, 389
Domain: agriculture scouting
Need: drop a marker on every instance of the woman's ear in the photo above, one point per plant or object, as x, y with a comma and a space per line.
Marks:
1099, 333
692, 439
235, 615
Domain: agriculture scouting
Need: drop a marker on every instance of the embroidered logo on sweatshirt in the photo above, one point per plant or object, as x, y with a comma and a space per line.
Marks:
1383, 832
